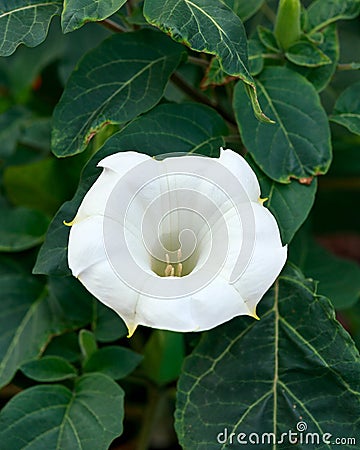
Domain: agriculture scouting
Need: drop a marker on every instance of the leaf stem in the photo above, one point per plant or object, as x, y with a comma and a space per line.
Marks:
181, 83
272, 56
113, 26
348, 66
198, 61
268, 12
149, 417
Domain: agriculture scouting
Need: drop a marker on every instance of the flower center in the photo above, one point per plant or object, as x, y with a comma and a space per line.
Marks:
175, 262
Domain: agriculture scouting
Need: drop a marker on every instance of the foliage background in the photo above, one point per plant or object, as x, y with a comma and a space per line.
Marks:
160, 76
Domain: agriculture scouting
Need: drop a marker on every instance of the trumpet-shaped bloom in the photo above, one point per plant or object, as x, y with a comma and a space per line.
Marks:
183, 243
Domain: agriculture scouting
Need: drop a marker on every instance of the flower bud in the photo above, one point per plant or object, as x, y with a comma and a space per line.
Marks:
287, 25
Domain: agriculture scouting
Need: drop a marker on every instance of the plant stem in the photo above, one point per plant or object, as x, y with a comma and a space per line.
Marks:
348, 66
148, 420
268, 12
198, 61
113, 26
180, 82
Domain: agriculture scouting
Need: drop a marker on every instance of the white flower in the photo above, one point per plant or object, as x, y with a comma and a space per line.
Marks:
181, 244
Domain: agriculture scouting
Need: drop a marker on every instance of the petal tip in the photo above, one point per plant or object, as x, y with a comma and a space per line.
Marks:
131, 329
263, 200
69, 224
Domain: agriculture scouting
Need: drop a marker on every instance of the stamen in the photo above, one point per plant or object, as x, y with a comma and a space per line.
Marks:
179, 269
169, 269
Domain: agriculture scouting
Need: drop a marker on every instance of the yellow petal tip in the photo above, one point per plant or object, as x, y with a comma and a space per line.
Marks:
263, 200
131, 330
69, 224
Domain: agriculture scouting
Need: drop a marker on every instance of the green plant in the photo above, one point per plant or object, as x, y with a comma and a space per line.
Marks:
179, 76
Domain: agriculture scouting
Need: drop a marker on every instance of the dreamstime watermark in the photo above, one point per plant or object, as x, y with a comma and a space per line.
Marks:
179, 209
300, 435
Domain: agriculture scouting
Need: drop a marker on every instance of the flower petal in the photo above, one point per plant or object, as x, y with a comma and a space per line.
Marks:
267, 260
213, 305
242, 170
122, 162
115, 166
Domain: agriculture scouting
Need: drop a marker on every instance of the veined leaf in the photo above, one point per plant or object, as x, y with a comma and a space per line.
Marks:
207, 26
170, 127
305, 53
290, 203
347, 109
243, 8
268, 39
21, 228
321, 76
321, 13
49, 368
338, 278
75, 15
32, 312
25, 322
123, 77
54, 417
114, 361
298, 382
298, 144
25, 22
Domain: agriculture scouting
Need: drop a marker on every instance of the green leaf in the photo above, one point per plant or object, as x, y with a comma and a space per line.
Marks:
21, 228
268, 39
187, 127
33, 311
214, 75
40, 184
206, 26
11, 124
77, 44
243, 8
169, 127
25, 22
321, 13
71, 303
298, 144
26, 64
65, 346
267, 376
114, 361
163, 356
25, 322
339, 278
347, 109
290, 203
49, 417
256, 51
75, 15
209, 27
49, 368
107, 326
87, 343
321, 76
37, 134
123, 77
306, 53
